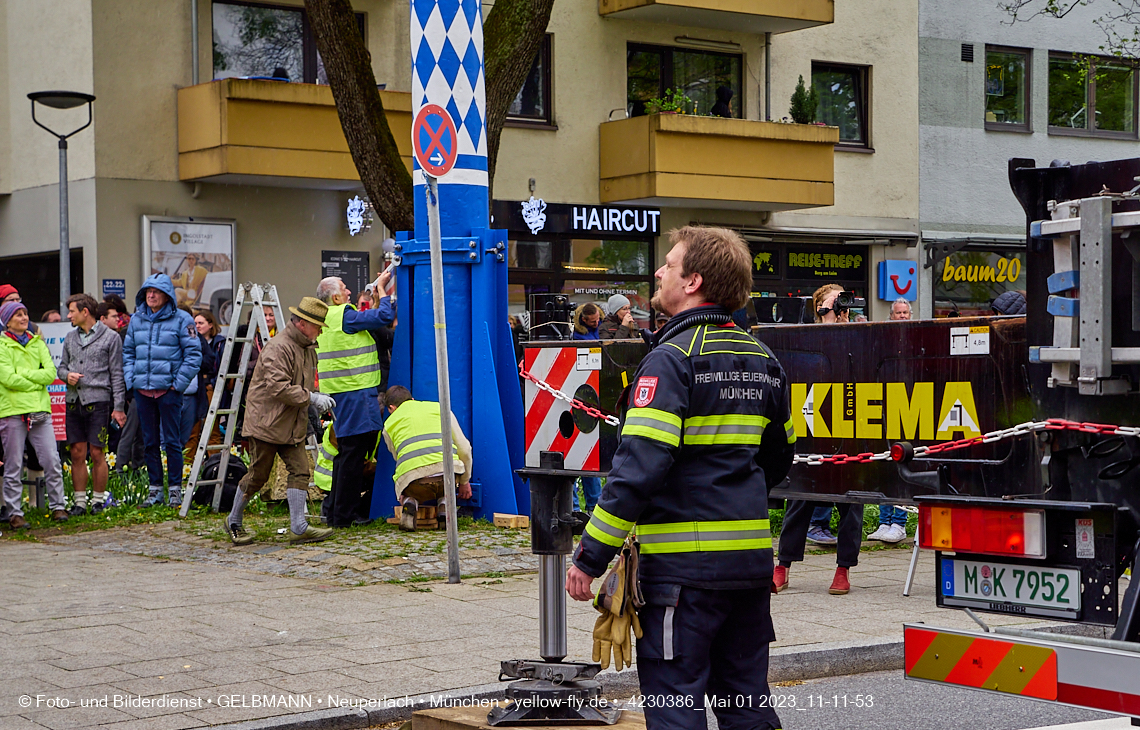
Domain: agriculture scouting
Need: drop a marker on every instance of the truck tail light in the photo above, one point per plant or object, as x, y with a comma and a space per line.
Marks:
988, 530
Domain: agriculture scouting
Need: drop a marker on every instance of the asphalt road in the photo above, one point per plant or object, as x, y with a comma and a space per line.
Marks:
890, 702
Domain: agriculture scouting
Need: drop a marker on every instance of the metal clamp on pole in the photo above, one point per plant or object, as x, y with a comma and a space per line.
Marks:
551, 691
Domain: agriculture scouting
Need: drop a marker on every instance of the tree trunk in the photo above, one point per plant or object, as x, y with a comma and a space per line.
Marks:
512, 37
349, 67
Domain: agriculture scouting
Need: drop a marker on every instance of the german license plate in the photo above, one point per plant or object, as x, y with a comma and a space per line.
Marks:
1025, 585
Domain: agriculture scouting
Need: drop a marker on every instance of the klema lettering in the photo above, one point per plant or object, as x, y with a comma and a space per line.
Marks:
894, 411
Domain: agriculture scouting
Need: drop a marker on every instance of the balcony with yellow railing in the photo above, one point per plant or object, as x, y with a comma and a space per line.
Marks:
275, 133
742, 16
710, 162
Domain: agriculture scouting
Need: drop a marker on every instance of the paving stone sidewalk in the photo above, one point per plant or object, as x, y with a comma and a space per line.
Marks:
214, 636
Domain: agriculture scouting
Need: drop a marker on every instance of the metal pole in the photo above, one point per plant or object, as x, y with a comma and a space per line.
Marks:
64, 245
767, 77
552, 607
194, 42
432, 191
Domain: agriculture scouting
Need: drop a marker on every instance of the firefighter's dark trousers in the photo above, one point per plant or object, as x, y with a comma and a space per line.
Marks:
793, 533
699, 643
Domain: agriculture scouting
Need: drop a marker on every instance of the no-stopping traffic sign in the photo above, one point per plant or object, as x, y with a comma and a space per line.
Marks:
434, 140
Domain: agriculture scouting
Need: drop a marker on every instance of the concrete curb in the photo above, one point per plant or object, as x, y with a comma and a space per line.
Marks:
785, 665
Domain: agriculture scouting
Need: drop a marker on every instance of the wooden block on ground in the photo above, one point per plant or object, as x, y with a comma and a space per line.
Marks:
475, 718
511, 521
427, 513
427, 524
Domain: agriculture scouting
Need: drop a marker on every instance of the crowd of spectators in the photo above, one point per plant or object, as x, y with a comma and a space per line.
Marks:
139, 386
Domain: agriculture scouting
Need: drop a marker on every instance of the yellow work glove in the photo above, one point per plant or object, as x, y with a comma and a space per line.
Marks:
603, 638
621, 641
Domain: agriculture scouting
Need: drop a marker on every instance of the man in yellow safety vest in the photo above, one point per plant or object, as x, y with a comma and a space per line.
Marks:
349, 370
412, 434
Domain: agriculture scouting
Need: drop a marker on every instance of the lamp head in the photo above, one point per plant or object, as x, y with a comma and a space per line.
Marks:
61, 99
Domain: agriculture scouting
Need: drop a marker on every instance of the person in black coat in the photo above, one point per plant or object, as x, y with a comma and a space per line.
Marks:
722, 108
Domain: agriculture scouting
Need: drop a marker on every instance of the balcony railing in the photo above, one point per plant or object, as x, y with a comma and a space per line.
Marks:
709, 162
742, 16
272, 132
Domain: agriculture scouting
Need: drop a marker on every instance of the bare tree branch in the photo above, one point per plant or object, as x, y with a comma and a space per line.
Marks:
349, 68
1120, 24
512, 36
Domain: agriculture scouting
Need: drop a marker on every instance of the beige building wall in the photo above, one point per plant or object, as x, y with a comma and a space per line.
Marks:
876, 190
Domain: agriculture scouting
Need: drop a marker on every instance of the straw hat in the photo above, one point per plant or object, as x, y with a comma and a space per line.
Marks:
312, 310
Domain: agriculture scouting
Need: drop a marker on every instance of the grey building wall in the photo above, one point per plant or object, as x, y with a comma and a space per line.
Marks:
963, 183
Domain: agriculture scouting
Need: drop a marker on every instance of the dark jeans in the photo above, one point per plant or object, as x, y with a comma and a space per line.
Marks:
160, 422
821, 517
130, 454
793, 533
699, 642
351, 493
592, 489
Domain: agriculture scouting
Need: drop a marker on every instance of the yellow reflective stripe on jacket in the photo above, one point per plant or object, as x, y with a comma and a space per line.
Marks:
704, 537
790, 430
322, 470
728, 429
653, 424
608, 529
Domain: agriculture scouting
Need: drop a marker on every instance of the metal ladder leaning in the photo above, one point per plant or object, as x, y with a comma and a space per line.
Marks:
252, 297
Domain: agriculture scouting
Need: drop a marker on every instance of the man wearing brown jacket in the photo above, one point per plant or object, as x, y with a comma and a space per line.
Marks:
276, 420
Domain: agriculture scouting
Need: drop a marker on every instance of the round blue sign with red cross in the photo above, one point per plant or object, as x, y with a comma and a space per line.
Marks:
434, 140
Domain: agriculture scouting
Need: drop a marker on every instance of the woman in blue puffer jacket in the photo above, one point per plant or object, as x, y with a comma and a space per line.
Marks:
161, 356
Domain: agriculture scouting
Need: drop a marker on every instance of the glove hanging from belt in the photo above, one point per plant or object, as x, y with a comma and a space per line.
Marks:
617, 601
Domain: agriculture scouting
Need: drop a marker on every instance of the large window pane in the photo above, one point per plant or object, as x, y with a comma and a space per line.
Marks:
643, 79
1005, 87
1115, 109
1067, 99
841, 101
595, 258
699, 75
530, 254
256, 41
533, 100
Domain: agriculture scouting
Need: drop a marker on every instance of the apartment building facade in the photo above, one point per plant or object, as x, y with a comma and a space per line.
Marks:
992, 90
246, 163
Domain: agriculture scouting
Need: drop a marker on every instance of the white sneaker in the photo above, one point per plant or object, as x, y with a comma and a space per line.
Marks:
895, 533
881, 533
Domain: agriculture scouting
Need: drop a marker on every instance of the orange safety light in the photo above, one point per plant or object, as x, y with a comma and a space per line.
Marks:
987, 530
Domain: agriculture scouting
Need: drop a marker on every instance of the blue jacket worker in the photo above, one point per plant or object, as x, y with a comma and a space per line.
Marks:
161, 356
707, 432
348, 367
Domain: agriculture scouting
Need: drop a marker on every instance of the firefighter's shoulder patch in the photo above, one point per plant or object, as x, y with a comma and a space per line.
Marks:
644, 391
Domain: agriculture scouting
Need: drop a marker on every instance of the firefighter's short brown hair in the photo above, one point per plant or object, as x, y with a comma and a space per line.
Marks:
722, 259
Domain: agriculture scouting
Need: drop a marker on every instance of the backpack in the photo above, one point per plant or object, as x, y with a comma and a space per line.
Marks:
235, 470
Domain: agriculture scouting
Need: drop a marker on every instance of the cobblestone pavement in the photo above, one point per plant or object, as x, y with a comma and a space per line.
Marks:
360, 556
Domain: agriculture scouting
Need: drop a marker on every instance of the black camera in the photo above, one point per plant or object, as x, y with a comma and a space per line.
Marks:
846, 300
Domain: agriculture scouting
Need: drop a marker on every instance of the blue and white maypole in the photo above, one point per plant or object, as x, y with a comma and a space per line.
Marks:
447, 74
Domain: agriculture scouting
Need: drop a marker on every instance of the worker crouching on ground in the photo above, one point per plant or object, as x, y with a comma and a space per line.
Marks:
412, 434
276, 420
707, 431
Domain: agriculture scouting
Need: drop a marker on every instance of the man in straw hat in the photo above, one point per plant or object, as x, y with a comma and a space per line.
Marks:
276, 420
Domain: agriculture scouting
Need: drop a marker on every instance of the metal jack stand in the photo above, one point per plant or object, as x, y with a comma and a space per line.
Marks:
551, 691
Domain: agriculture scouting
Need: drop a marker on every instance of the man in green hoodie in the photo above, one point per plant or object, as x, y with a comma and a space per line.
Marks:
26, 369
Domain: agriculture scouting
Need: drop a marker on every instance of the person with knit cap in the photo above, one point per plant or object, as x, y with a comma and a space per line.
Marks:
26, 369
619, 323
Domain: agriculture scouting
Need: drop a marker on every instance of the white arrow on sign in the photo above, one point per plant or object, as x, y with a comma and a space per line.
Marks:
436, 159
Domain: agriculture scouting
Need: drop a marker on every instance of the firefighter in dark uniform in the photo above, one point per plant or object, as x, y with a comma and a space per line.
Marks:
706, 432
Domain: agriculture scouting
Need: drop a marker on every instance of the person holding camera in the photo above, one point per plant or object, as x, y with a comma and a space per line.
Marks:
830, 308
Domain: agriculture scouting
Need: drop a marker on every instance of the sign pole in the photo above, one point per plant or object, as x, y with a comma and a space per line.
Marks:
432, 192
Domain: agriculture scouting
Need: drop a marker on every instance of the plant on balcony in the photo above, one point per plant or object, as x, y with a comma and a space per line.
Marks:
805, 101
674, 101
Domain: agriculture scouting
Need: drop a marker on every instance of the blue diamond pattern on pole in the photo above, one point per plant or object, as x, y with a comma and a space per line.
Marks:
422, 9
425, 64
471, 64
449, 9
471, 12
473, 123
449, 63
456, 115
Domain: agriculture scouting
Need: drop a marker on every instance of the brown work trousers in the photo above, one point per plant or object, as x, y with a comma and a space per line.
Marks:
424, 489
261, 455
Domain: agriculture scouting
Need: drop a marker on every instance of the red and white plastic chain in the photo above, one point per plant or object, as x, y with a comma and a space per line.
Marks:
574, 402
1023, 429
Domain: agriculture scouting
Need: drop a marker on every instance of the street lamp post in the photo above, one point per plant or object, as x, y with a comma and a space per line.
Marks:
62, 100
